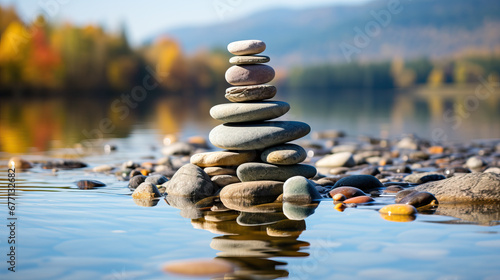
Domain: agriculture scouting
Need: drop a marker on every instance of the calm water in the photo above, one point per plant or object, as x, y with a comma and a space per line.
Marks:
67, 233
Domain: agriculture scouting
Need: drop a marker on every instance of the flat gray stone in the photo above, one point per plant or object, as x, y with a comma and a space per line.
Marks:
255, 171
246, 47
285, 154
250, 93
299, 189
253, 136
249, 112
249, 59
252, 74
256, 192
190, 181
470, 187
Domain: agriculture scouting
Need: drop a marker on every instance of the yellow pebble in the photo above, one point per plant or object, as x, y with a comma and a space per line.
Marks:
398, 209
339, 197
398, 218
339, 207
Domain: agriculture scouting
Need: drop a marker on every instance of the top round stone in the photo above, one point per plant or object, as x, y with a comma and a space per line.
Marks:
246, 47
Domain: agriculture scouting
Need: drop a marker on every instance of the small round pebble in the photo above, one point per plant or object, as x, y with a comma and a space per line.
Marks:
398, 209
359, 200
146, 191
338, 197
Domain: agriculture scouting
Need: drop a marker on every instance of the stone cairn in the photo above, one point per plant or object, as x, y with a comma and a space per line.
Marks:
257, 158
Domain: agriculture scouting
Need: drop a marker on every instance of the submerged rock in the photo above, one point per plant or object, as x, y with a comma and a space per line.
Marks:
190, 180
89, 184
146, 191
362, 182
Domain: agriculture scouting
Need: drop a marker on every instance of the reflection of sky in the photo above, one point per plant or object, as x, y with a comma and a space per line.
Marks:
147, 17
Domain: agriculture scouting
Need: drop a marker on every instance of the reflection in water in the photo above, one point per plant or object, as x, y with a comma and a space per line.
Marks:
460, 112
481, 214
249, 239
47, 124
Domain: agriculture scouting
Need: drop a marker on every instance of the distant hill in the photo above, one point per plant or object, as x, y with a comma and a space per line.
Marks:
416, 28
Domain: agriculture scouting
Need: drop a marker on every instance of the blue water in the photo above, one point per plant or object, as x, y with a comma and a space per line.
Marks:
66, 233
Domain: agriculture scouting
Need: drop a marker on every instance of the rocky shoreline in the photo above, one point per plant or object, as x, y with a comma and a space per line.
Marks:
261, 171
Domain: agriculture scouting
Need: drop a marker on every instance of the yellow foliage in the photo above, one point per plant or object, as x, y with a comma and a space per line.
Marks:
14, 42
436, 77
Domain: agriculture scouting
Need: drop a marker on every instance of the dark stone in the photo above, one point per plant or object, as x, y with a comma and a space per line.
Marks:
89, 184
136, 181
156, 179
362, 182
402, 194
419, 199
63, 164
420, 178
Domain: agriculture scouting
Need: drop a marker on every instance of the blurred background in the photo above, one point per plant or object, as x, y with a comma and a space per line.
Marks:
80, 70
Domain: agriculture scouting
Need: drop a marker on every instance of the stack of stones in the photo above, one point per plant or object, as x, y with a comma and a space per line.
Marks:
256, 153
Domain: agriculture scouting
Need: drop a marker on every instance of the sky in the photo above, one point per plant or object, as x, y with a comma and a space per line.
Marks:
146, 18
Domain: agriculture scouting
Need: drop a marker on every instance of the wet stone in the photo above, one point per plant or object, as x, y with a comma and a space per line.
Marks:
19, 163
419, 199
253, 191
420, 178
190, 180
299, 189
89, 184
146, 191
362, 182
135, 181
348, 192
470, 187
156, 179
359, 200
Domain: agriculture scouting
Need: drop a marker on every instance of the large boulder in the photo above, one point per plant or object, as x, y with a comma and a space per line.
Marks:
470, 187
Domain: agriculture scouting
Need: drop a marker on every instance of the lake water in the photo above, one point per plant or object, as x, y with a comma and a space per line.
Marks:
63, 232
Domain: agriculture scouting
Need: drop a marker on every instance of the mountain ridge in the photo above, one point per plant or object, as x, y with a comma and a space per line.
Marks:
318, 35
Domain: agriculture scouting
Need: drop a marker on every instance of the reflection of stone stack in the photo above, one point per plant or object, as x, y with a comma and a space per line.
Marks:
247, 132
